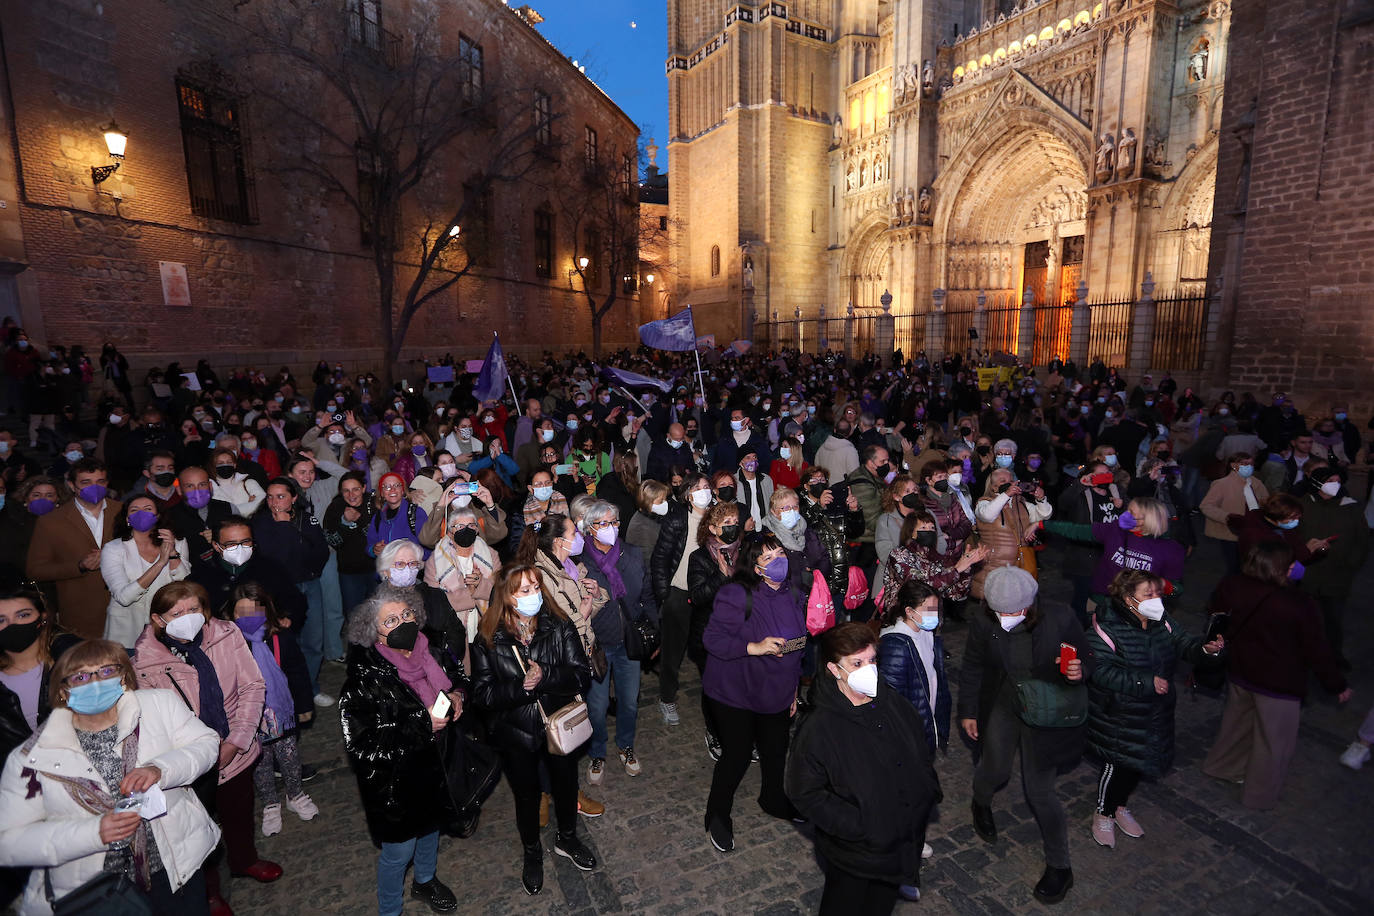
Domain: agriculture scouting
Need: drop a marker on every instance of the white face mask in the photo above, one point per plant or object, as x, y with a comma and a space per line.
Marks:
1331, 487
336, 439
1009, 621
659, 508
186, 626
546, 435
449, 471
956, 479
463, 501
238, 554
403, 577
701, 498
1151, 608
465, 432
790, 517
529, 605
864, 680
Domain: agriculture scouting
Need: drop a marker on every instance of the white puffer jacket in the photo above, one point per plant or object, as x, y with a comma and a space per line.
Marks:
47, 828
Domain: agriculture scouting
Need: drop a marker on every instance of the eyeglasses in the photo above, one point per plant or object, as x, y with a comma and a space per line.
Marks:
413, 564
85, 677
604, 523
394, 620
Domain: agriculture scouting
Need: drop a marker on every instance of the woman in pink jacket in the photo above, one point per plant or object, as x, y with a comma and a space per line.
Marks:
207, 663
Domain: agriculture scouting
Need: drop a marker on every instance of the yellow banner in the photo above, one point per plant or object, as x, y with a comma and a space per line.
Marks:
987, 378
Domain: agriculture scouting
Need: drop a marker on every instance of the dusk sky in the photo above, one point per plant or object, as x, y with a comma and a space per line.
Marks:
625, 61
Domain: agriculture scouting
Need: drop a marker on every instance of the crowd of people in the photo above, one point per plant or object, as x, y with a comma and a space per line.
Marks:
497, 579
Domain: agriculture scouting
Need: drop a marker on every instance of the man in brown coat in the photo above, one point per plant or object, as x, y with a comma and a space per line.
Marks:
66, 550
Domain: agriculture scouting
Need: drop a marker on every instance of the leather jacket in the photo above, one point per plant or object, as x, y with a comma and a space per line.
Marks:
672, 541
498, 679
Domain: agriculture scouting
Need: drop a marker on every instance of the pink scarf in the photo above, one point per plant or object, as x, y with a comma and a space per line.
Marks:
420, 672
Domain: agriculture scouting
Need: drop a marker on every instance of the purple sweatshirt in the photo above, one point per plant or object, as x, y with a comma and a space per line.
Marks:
1123, 550
759, 683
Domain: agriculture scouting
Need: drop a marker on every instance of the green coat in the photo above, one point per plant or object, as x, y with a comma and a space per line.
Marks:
1331, 576
1128, 723
868, 490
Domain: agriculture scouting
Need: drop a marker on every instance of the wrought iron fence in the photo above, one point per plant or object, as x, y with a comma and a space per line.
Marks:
1004, 325
1053, 325
1110, 330
1180, 332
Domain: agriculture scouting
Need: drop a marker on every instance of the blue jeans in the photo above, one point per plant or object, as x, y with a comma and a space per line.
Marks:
312, 631
626, 674
333, 608
354, 589
391, 870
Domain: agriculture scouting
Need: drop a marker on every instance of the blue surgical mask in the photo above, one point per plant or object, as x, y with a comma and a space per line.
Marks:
784, 453
1289, 525
572, 424
1339, 416
790, 517
1003, 461
94, 697
73, 456
930, 620
543, 493
1109, 460
529, 605
1245, 470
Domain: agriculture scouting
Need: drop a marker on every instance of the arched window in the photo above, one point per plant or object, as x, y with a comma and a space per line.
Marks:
715, 260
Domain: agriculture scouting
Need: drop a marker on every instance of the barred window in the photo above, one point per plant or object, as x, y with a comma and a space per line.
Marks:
589, 148
469, 69
543, 242
543, 118
218, 173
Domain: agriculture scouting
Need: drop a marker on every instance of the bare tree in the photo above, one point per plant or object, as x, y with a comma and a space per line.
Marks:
405, 124
600, 207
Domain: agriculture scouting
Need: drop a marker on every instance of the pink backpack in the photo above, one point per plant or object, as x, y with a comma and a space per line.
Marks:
857, 592
820, 607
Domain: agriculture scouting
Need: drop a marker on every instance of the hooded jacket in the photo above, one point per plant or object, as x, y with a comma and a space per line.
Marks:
865, 778
900, 664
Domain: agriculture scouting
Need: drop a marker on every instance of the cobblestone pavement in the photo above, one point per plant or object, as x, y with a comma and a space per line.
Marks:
1202, 852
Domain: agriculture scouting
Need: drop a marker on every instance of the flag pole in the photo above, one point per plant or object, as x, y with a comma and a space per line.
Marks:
696, 352
509, 381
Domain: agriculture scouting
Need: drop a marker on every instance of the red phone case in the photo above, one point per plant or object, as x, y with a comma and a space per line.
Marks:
1067, 653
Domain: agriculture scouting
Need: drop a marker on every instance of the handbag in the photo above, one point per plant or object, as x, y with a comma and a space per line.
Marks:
567, 729
857, 592
472, 771
1045, 704
820, 607
641, 636
108, 893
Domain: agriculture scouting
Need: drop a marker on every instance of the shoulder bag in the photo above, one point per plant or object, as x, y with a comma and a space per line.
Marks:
1046, 704
567, 729
108, 893
641, 635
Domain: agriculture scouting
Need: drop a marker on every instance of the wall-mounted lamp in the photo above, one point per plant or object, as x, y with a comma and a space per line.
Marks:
454, 231
115, 141
582, 263
649, 278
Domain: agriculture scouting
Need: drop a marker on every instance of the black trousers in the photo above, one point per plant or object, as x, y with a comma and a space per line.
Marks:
1000, 738
1115, 786
847, 894
739, 732
1333, 609
187, 900
675, 621
522, 772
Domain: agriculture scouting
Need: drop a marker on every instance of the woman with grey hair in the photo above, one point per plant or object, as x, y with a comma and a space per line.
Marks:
457, 581
619, 569
399, 566
395, 700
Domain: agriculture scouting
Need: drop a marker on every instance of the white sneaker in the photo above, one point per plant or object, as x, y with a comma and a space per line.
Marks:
1355, 756
926, 853
305, 808
595, 770
324, 699
669, 712
630, 762
271, 820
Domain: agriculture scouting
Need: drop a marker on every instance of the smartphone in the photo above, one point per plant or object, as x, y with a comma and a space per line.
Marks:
561, 469
1067, 653
841, 491
442, 704
472, 487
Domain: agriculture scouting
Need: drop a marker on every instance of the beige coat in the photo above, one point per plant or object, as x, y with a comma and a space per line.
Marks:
61, 541
569, 596
1226, 497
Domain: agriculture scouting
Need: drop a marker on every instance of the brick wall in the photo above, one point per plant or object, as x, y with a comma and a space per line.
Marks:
1300, 278
298, 280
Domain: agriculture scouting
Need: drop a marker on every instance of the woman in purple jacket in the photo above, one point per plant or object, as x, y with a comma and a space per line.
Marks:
1138, 540
754, 644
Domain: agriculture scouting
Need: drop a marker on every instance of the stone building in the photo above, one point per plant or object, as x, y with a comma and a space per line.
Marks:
975, 161
656, 268
199, 245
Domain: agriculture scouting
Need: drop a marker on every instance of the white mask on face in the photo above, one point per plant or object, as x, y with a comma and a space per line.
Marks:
186, 626
238, 554
864, 680
449, 471
659, 508
1331, 487
403, 577
956, 479
1151, 608
701, 498
1009, 621
790, 517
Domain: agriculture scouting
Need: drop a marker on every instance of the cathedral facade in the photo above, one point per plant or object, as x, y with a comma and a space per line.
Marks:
960, 157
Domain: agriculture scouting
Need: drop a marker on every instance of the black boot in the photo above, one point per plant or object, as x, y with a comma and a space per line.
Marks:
570, 847
1054, 884
983, 824
436, 894
532, 876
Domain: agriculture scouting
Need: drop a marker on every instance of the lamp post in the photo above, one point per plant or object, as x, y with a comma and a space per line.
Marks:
115, 142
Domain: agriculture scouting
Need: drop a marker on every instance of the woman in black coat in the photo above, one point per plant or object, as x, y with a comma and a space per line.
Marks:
860, 770
386, 710
677, 540
1010, 641
528, 662
709, 568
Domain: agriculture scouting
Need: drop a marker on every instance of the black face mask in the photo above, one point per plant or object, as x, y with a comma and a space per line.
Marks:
729, 534
691, 434
224, 471
816, 490
19, 636
726, 494
983, 449
925, 538
465, 537
1164, 455
940, 486
965, 431
164, 479
882, 470
402, 639
911, 501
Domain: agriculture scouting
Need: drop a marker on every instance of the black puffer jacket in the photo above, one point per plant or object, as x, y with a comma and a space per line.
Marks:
498, 680
14, 728
672, 542
864, 776
1129, 724
390, 743
834, 533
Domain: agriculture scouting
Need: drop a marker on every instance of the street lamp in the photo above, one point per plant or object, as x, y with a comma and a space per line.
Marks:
454, 231
582, 263
649, 278
115, 141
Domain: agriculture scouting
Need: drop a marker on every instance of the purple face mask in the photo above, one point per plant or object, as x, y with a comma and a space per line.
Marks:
41, 506
1033, 463
968, 467
577, 544
197, 499
359, 454
142, 520
93, 493
418, 451
776, 568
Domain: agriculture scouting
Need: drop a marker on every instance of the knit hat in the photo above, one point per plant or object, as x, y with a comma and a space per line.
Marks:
1009, 589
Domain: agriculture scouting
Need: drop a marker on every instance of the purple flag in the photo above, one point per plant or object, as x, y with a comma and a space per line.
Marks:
634, 379
491, 382
675, 333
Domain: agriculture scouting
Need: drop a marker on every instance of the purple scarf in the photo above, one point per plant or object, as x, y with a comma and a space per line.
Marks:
607, 563
279, 712
420, 672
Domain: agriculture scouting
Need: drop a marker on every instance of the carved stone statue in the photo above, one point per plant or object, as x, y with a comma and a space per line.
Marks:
909, 204
923, 205
837, 135
849, 178
927, 79
748, 269
1197, 63
910, 78
896, 206
1105, 165
1125, 154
